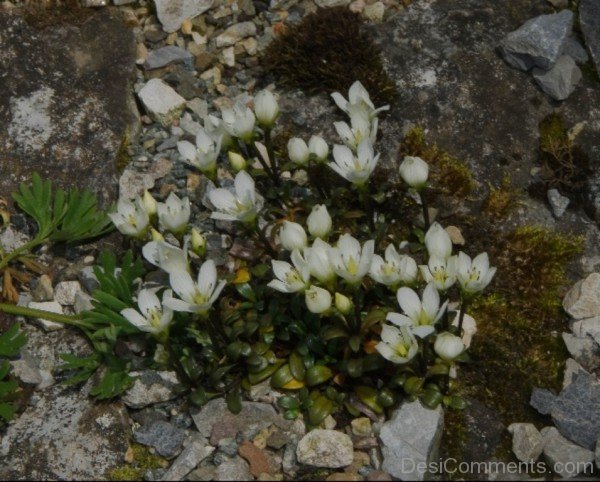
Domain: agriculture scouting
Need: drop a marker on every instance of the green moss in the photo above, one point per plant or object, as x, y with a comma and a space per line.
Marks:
123, 158
142, 461
327, 52
501, 200
448, 173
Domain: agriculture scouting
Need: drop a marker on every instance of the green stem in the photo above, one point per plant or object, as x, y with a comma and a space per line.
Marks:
264, 241
20, 251
366, 199
463, 308
271, 153
425, 209
73, 320
315, 178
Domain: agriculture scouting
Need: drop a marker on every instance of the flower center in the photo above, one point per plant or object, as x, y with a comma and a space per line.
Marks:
352, 266
154, 317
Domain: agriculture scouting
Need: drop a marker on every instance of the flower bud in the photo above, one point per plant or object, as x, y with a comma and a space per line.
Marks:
298, 151
266, 108
156, 236
318, 147
318, 300
448, 346
149, 203
343, 303
438, 242
414, 171
292, 236
319, 221
198, 242
237, 161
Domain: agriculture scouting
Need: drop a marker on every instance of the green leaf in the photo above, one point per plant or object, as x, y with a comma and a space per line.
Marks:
368, 396
413, 385
317, 374
297, 368
7, 411
112, 384
431, 398
439, 369
288, 402
320, 410
282, 377
246, 291
457, 403
234, 401
355, 367
11, 341
354, 343
258, 377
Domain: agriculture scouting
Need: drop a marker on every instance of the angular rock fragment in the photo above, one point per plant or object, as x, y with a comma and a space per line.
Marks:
589, 22
583, 299
559, 82
325, 448
566, 458
162, 102
527, 443
172, 13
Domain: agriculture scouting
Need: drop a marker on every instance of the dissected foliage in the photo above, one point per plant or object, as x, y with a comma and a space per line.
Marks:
328, 51
11, 342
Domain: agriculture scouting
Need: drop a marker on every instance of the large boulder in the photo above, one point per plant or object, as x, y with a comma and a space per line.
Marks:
66, 106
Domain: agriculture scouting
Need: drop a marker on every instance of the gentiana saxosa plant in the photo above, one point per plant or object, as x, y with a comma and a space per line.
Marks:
344, 295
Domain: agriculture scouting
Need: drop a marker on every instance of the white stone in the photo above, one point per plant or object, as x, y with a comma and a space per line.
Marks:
132, 183
10, 239
325, 448
227, 57
151, 387
374, 12
235, 33
172, 13
66, 291
571, 368
162, 102
53, 307
527, 443
83, 302
588, 327
413, 433
583, 299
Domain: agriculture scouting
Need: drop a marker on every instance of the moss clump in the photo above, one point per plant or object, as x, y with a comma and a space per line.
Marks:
565, 166
501, 200
518, 345
327, 52
123, 158
447, 172
142, 460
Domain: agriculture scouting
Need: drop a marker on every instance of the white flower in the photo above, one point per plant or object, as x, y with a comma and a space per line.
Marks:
360, 129
441, 272
343, 304
414, 171
349, 260
358, 101
292, 236
215, 128
397, 268
174, 214
448, 346
318, 300
290, 279
397, 345
239, 121
318, 148
204, 154
357, 169
319, 221
438, 241
298, 151
241, 205
419, 316
152, 316
149, 203
319, 261
131, 218
196, 297
237, 161
473, 276
167, 257
266, 108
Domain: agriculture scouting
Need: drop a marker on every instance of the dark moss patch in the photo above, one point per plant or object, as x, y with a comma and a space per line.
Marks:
123, 158
501, 200
327, 52
142, 460
448, 174
47, 13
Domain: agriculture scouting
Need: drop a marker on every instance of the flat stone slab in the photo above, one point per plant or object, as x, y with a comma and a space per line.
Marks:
66, 104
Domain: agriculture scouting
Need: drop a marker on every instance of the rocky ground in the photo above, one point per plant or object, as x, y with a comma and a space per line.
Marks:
100, 99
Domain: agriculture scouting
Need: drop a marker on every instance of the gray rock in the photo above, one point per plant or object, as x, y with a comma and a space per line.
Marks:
88, 279
584, 350
164, 437
66, 436
162, 103
43, 289
51, 306
583, 299
151, 387
67, 105
170, 54
575, 50
542, 400
527, 442
559, 83
235, 33
228, 446
566, 458
27, 369
598, 453
332, 3
233, 469
413, 433
172, 13
66, 292
589, 22
538, 42
195, 451
325, 448
558, 202
10, 239
576, 410
571, 368
83, 302
588, 327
